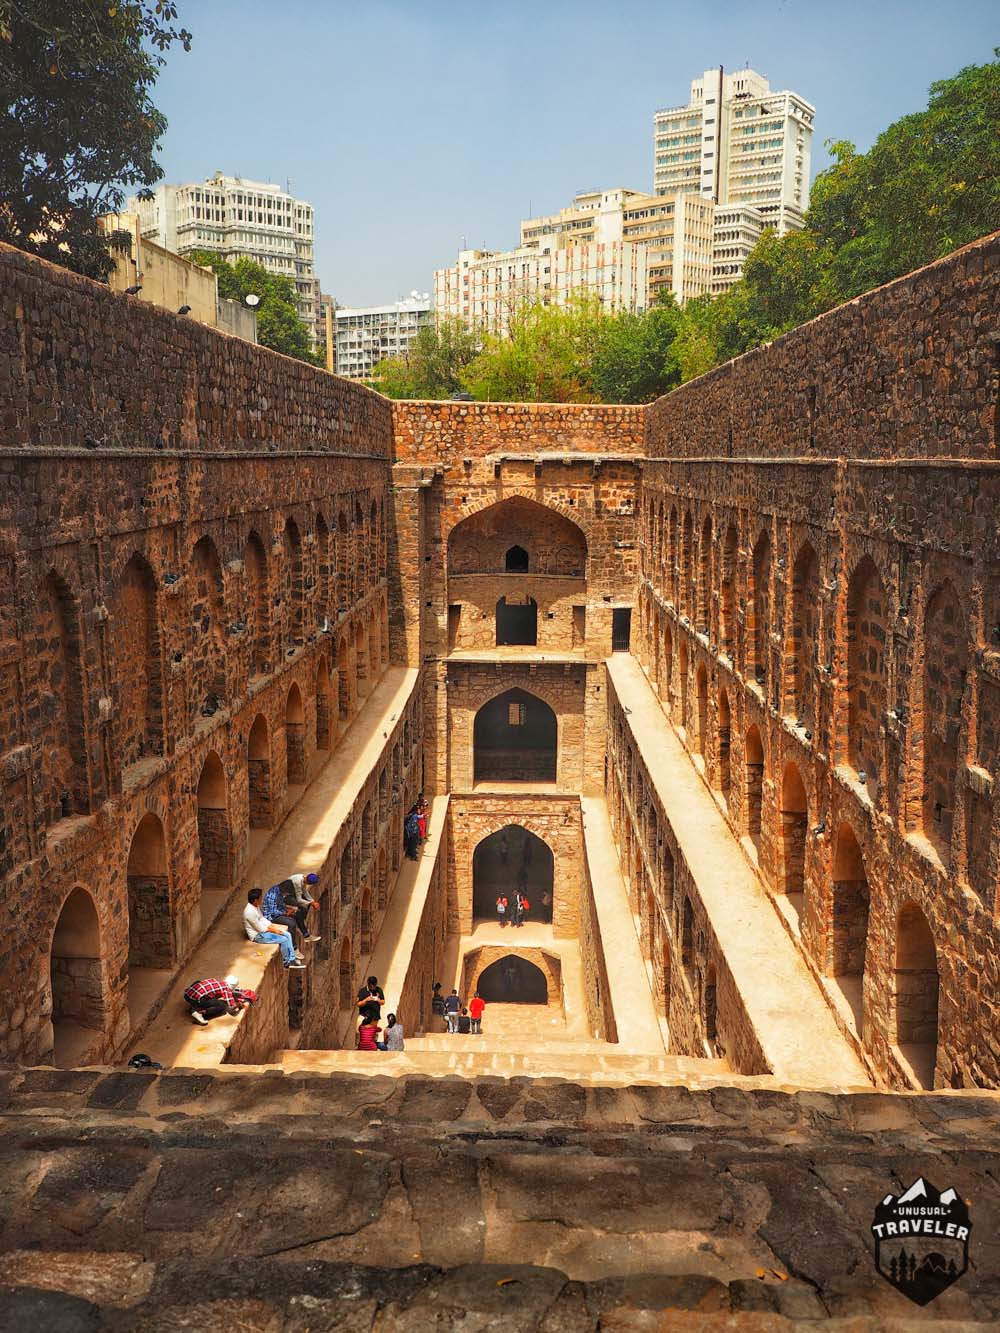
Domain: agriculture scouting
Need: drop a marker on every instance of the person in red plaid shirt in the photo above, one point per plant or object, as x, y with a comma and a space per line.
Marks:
211, 998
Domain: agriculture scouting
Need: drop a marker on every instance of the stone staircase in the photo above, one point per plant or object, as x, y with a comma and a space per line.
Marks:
518, 1041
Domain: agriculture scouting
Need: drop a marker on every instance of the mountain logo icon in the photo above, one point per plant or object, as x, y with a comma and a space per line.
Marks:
922, 1240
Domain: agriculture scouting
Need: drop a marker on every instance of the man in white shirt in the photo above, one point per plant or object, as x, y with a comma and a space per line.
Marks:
261, 931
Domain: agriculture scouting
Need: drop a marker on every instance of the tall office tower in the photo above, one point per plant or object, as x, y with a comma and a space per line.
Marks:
743, 147
241, 219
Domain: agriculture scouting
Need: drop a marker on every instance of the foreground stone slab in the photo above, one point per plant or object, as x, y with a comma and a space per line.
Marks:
330, 1202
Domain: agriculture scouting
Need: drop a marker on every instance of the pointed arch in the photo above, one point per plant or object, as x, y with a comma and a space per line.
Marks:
515, 739
259, 774
136, 642
753, 762
150, 927
509, 860
554, 543
257, 612
946, 661
916, 993
208, 618
295, 735
325, 725
867, 637
294, 586
76, 979
513, 980
803, 643
724, 768
60, 680
759, 607
215, 838
727, 597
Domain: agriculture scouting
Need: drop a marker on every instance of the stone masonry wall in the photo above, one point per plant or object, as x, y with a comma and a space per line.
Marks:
81, 365
907, 371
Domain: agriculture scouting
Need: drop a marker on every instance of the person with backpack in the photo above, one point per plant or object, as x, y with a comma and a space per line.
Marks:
502, 910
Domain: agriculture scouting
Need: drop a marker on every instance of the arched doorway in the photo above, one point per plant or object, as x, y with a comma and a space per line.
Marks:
849, 924
75, 977
794, 823
515, 739
295, 736
753, 758
516, 560
916, 994
516, 622
214, 837
513, 980
137, 648
259, 773
324, 706
510, 860
150, 933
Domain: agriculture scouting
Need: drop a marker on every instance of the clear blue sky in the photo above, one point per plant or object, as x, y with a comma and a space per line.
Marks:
409, 124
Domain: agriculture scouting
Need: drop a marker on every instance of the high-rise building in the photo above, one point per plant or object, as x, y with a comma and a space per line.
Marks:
366, 335
240, 219
740, 145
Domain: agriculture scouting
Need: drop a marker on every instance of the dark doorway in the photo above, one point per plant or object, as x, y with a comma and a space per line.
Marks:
514, 740
517, 622
513, 980
621, 629
508, 861
516, 560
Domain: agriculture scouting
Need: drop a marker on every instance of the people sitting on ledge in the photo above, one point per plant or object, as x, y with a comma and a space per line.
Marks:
285, 904
367, 1038
262, 931
211, 998
464, 1022
393, 1034
437, 1001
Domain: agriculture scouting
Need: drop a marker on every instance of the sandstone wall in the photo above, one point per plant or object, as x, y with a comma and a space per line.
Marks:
82, 366
907, 371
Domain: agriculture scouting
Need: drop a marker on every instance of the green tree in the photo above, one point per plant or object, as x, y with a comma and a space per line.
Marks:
546, 355
433, 365
930, 183
632, 360
77, 126
278, 324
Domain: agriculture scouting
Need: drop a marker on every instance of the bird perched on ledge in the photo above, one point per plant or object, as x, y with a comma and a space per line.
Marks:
184, 310
133, 290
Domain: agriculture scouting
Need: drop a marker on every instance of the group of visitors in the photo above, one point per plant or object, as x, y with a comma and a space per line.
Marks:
281, 917
458, 1017
415, 827
371, 998
514, 912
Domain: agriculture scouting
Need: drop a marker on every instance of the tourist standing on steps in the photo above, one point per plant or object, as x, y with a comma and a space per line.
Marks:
261, 931
411, 833
211, 998
367, 1038
523, 907
502, 910
393, 1034
464, 1023
437, 1000
476, 1008
452, 1009
516, 917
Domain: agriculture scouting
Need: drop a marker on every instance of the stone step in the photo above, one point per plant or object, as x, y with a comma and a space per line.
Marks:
588, 1068
492, 1044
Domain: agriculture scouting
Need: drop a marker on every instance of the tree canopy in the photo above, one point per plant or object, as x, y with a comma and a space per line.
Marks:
278, 323
432, 367
77, 126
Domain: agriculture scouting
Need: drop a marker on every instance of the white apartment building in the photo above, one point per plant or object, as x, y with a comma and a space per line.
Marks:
737, 229
366, 335
737, 143
241, 219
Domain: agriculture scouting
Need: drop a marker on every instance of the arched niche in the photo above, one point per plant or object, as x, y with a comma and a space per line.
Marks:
150, 927
215, 841
552, 543
76, 979
917, 985
295, 735
515, 739
513, 859
513, 980
259, 774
